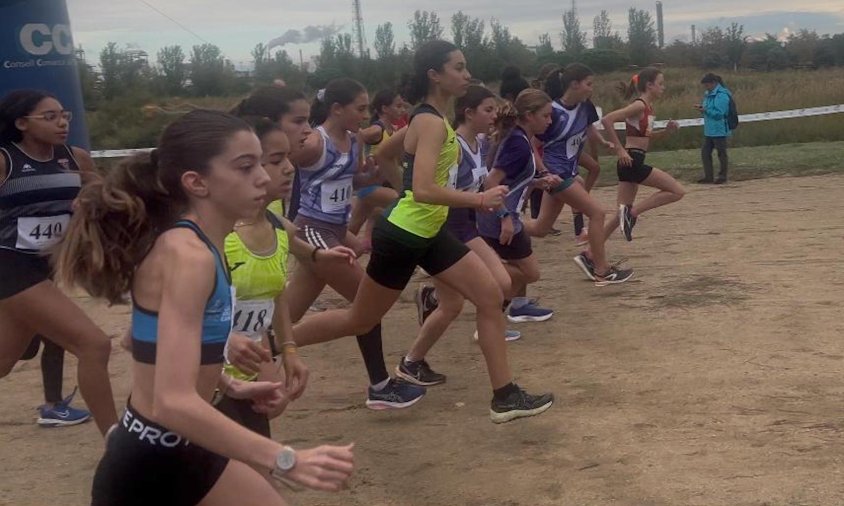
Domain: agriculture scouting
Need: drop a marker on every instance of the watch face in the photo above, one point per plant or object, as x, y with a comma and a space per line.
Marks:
286, 459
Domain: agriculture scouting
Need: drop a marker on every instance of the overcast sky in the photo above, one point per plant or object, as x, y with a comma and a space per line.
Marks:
236, 27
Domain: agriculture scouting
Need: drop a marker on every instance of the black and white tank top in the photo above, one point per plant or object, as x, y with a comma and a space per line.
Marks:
36, 198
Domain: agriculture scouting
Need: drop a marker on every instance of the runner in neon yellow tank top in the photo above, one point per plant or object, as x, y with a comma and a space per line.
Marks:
257, 257
412, 235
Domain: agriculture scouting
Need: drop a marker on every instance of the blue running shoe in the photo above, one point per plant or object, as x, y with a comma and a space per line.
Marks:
61, 414
396, 395
529, 313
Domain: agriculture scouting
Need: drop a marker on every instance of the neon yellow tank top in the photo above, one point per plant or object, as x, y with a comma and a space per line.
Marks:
258, 280
425, 220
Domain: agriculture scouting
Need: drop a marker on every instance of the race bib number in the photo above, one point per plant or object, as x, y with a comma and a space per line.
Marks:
573, 145
253, 317
336, 195
452, 176
41, 233
479, 175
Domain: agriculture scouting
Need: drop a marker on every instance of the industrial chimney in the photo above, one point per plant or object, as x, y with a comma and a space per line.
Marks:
660, 30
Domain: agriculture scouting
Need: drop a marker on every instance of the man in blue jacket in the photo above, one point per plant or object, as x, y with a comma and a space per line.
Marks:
715, 107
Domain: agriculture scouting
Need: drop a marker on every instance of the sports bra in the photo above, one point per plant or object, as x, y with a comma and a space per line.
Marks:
216, 320
643, 125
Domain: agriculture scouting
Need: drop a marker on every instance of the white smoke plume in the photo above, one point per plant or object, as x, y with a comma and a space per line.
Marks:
309, 34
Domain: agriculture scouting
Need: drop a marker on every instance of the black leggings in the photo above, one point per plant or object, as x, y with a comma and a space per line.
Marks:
52, 366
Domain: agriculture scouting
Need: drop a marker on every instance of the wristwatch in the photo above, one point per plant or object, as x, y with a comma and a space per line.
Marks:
284, 462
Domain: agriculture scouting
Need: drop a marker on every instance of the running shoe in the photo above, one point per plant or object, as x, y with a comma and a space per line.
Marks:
627, 221
614, 276
62, 414
530, 312
582, 239
509, 335
419, 373
586, 265
396, 395
519, 404
426, 302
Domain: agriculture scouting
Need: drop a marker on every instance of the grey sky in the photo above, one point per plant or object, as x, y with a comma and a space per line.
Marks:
236, 27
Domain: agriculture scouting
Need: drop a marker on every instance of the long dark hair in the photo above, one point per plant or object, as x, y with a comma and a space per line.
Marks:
639, 82
270, 102
559, 80
433, 55
15, 105
383, 98
342, 91
119, 215
473, 99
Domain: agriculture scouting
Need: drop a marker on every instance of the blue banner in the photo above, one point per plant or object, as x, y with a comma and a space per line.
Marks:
36, 51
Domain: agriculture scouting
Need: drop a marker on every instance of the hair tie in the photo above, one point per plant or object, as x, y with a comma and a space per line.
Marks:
153, 157
320, 95
635, 79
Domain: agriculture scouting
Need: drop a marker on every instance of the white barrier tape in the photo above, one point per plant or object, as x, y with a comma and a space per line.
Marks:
743, 118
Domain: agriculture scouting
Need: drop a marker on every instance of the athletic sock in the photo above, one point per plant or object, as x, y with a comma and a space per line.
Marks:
372, 351
380, 386
578, 223
505, 391
519, 302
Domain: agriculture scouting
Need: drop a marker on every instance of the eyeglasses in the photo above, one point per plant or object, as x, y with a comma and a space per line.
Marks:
53, 116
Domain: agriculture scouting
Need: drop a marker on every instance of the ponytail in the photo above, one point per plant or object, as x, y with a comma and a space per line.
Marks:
638, 83
559, 80
342, 91
432, 55
529, 101
119, 216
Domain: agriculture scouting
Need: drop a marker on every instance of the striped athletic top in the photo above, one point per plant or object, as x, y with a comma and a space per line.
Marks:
36, 198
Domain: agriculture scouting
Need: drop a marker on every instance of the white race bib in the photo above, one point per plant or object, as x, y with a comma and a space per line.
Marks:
573, 145
479, 174
336, 195
253, 317
41, 233
452, 176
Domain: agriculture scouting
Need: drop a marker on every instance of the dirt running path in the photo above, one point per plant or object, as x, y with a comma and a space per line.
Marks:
716, 377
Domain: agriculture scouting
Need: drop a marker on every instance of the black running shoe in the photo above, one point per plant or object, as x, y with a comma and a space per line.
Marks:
519, 404
627, 221
419, 373
613, 277
586, 265
426, 302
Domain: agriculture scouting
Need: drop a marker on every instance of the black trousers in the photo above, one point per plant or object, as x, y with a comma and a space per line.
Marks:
720, 144
52, 366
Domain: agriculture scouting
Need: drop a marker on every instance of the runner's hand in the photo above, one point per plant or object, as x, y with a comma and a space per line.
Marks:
295, 373
246, 354
494, 197
624, 158
258, 391
324, 467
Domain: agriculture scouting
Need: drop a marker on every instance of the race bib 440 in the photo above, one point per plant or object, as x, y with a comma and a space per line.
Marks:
41, 233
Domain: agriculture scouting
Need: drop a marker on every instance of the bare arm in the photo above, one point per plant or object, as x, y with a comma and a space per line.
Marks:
620, 115
388, 156
371, 134
187, 280
296, 373
310, 152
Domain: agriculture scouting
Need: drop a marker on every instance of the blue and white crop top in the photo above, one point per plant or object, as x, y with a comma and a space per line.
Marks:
564, 139
216, 320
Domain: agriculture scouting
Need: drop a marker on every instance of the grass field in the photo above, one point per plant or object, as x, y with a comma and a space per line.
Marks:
123, 124
806, 159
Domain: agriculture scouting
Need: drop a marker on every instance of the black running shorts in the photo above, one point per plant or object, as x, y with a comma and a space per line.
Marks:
520, 246
396, 253
638, 171
145, 463
19, 271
